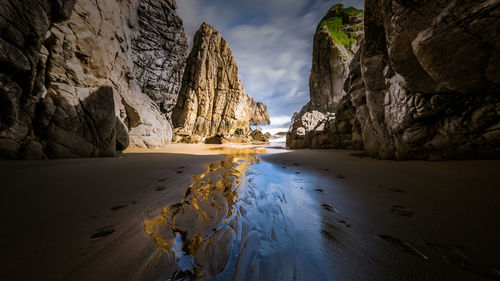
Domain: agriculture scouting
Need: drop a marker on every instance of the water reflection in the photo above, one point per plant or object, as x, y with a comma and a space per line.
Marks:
242, 219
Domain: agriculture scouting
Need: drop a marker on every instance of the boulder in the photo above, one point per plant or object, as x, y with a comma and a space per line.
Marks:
122, 137
258, 136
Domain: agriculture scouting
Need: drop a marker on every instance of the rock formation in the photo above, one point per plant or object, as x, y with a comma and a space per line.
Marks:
159, 52
73, 76
431, 85
212, 99
337, 39
259, 114
425, 83
335, 42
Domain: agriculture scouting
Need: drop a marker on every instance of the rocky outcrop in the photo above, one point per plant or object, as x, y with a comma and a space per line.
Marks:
337, 39
212, 99
67, 77
259, 114
259, 137
430, 86
425, 82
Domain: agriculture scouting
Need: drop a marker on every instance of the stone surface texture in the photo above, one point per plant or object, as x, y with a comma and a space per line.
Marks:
159, 52
69, 83
212, 99
330, 69
425, 82
331, 59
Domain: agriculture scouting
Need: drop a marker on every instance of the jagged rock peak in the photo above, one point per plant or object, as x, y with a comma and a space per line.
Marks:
212, 99
344, 25
259, 114
336, 40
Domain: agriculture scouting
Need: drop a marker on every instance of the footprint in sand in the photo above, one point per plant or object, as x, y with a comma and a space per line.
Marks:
295, 164
180, 172
162, 179
344, 223
320, 190
328, 208
402, 211
102, 232
118, 207
325, 169
160, 188
340, 176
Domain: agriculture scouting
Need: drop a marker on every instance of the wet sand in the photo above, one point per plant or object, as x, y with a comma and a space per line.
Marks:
50, 210
187, 212
412, 220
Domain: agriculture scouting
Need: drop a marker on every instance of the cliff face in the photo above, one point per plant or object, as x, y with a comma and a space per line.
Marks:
68, 77
212, 99
337, 39
424, 84
427, 82
159, 52
335, 42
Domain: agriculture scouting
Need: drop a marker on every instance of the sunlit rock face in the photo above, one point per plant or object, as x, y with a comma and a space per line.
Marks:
75, 78
335, 42
212, 99
259, 114
337, 39
425, 83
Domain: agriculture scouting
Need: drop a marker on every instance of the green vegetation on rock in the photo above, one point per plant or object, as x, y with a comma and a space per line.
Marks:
337, 28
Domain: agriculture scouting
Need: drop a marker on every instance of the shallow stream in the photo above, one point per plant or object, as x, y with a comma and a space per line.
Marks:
243, 219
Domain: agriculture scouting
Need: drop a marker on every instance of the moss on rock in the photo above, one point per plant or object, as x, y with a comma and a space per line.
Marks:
338, 24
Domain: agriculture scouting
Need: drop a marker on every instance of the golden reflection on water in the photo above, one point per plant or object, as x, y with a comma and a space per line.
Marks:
201, 226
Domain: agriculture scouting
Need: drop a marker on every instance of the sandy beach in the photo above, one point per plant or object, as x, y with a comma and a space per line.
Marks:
246, 213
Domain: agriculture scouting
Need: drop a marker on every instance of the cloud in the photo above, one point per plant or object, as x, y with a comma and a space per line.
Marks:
271, 42
280, 121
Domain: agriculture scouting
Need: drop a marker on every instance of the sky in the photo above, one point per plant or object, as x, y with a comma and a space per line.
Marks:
271, 41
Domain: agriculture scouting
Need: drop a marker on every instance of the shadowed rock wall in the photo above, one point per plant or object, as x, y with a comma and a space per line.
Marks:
426, 81
424, 84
